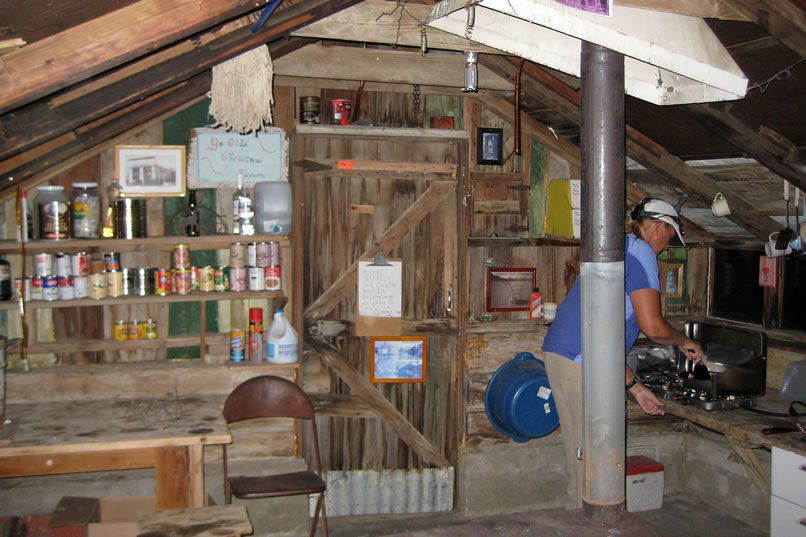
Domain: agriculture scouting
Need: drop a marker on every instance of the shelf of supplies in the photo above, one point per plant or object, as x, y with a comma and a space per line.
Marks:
197, 296
149, 244
358, 131
522, 241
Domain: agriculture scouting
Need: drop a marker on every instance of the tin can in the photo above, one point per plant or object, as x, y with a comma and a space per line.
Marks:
50, 288
309, 110
134, 329
255, 279
162, 282
80, 264
263, 254
340, 111
63, 263
111, 261
120, 331
207, 279
181, 256
43, 264
251, 254
66, 289
237, 349
194, 278
36, 288
114, 283
237, 278
182, 283
237, 255
23, 287
221, 279
144, 281
128, 281
255, 334
272, 278
97, 284
274, 254
96, 266
150, 331
81, 286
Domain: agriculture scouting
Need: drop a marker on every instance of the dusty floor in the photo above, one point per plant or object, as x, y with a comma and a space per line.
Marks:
679, 516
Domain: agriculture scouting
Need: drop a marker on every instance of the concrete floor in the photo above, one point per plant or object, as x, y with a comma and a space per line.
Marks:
679, 516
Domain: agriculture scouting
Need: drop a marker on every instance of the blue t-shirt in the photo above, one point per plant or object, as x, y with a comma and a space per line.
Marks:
640, 272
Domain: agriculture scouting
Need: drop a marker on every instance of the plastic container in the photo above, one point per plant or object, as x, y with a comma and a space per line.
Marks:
281, 341
793, 386
518, 400
644, 483
273, 207
86, 206
53, 212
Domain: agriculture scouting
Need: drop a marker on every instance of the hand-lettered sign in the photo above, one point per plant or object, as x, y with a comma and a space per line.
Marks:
217, 156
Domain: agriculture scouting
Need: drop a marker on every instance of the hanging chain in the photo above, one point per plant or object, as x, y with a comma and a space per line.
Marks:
417, 100
471, 18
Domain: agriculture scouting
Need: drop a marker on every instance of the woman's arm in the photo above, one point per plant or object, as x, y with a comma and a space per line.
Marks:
646, 304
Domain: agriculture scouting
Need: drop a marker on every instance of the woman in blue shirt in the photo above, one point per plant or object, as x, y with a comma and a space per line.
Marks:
653, 226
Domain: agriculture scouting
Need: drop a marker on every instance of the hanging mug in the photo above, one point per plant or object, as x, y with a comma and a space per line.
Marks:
720, 206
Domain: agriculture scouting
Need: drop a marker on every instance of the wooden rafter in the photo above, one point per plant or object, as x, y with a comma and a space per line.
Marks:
383, 408
784, 19
346, 282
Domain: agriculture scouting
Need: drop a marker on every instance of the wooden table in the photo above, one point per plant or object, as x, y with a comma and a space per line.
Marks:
744, 431
116, 434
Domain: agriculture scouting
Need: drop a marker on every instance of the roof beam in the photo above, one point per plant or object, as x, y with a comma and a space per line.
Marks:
784, 19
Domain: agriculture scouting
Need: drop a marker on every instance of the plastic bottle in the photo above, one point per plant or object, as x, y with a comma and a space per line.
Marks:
86, 206
53, 210
536, 305
192, 216
243, 212
281, 341
273, 207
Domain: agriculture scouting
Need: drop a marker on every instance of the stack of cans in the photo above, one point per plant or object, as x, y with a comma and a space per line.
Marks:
58, 276
255, 266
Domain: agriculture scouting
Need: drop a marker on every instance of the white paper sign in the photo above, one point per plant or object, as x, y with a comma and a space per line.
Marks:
379, 289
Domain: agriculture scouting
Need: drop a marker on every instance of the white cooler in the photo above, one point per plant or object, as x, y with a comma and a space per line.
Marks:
644, 486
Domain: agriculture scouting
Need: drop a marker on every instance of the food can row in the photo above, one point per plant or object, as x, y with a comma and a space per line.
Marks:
134, 329
61, 264
52, 287
254, 254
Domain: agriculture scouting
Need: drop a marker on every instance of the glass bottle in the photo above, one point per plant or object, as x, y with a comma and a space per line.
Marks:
191, 219
112, 194
243, 211
85, 204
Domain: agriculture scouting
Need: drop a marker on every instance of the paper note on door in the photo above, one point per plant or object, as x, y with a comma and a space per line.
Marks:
379, 289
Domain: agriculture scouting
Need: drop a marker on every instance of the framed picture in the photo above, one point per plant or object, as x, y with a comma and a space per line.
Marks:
509, 289
490, 144
151, 170
398, 358
674, 280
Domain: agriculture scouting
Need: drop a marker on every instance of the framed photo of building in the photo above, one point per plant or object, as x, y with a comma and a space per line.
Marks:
150, 170
509, 289
398, 358
489, 146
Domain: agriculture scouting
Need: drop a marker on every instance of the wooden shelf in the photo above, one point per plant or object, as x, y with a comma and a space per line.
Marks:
355, 131
207, 242
95, 345
522, 241
197, 296
505, 326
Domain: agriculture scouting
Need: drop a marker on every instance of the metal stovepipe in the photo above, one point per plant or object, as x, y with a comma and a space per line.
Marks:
602, 281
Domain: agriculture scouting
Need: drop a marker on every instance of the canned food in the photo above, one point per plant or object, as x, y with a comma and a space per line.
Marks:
237, 346
251, 254
36, 288
340, 110
237, 278
81, 286
111, 261
237, 255
256, 281
221, 279
120, 331
263, 254
309, 110
144, 281
114, 283
97, 285
134, 329
128, 281
194, 278
162, 282
274, 254
272, 278
150, 329
182, 283
43, 264
64, 264
207, 279
80, 264
96, 266
50, 288
181, 256
23, 287
66, 289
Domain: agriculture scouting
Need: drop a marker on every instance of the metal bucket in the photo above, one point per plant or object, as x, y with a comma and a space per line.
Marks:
518, 401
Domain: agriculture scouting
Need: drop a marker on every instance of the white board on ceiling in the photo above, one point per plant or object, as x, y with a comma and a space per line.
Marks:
217, 155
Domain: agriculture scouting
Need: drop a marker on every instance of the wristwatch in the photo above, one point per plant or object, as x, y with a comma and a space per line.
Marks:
632, 383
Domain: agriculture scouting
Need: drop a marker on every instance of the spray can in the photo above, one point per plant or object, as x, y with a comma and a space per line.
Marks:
255, 334
536, 305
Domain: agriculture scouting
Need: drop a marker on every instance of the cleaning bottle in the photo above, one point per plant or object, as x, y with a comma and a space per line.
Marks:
281, 341
536, 305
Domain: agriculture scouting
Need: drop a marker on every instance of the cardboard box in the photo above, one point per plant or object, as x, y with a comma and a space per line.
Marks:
104, 517
644, 483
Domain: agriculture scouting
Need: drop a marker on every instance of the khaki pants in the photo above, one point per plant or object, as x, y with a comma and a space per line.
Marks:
565, 379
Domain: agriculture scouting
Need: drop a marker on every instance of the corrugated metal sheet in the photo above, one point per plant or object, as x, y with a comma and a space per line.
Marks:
370, 492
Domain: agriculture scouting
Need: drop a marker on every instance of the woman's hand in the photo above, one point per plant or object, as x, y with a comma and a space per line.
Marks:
647, 400
692, 350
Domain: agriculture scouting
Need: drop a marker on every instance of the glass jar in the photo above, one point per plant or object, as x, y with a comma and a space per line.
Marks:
53, 212
86, 204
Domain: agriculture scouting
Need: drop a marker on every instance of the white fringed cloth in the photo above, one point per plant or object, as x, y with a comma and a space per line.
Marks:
241, 95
